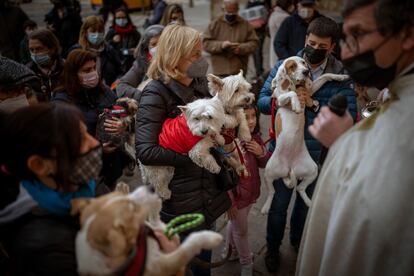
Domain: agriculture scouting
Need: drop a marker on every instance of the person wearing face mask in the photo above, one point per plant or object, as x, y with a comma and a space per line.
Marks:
46, 62
91, 38
124, 37
144, 53
320, 42
359, 222
230, 40
280, 12
61, 162
83, 87
178, 75
290, 37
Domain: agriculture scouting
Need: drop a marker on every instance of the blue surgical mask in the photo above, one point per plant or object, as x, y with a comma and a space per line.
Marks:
121, 22
95, 38
40, 59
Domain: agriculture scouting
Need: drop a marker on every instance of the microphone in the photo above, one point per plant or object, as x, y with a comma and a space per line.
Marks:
338, 105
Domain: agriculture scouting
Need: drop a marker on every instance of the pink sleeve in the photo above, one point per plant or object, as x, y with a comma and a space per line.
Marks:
262, 160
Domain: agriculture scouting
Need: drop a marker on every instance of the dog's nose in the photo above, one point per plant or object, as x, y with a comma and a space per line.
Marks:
204, 132
306, 72
151, 188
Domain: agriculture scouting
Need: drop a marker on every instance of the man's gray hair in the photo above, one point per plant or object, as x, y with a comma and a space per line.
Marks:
230, 2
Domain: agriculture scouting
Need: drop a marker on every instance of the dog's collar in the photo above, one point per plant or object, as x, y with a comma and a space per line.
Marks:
117, 111
134, 265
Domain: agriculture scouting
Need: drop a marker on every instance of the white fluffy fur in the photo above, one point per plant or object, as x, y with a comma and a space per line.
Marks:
205, 117
158, 263
234, 93
291, 160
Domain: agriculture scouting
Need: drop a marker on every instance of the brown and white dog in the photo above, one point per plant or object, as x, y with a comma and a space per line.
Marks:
291, 160
113, 236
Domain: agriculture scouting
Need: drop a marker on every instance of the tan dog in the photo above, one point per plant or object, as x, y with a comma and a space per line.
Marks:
111, 227
291, 160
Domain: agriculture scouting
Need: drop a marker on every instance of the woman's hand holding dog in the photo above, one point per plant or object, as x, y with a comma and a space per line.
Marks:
114, 125
254, 147
232, 213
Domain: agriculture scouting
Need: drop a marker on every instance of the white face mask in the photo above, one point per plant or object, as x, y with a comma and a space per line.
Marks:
305, 13
11, 104
153, 51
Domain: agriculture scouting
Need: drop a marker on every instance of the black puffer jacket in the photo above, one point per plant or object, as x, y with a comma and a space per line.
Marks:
194, 189
40, 244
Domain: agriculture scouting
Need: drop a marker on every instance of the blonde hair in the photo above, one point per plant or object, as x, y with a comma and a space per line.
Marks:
176, 42
94, 22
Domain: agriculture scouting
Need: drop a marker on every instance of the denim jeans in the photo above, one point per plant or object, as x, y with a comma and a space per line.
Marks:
276, 220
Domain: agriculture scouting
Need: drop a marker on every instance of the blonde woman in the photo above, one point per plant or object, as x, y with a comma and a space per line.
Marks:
91, 38
178, 77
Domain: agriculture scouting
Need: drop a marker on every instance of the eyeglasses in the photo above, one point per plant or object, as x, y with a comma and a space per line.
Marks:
351, 41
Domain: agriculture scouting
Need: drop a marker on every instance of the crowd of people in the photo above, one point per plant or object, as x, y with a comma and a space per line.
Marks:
56, 81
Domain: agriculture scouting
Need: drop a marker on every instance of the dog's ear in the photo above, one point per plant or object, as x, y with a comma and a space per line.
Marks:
78, 204
215, 83
183, 108
290, 66
241, 73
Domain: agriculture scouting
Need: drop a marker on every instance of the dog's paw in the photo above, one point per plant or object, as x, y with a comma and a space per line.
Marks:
213, 167
207, 239
220, 140
296, 105
122, 187
340, 77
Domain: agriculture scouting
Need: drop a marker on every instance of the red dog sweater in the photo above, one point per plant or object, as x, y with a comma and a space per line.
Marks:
176, 135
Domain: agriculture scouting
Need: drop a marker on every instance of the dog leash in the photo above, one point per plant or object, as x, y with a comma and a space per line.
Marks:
272, 135
229, 137
183, 223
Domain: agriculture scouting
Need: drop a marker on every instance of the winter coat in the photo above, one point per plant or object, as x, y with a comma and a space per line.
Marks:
11, 30
110, 63
193, 188
91, 102
291, 36
224, 61
66, 29
47, 82
127, 86
276, 18
327, 91
248, 189
129, 40
157, 14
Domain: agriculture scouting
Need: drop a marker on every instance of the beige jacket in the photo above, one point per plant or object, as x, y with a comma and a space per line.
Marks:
361, 220
224, 61
276, 18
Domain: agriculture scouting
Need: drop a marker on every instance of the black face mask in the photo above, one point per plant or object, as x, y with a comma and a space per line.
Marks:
364, 71
314, 56
230, 17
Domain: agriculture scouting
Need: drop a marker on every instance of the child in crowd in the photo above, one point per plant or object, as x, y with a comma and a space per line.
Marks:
246, 193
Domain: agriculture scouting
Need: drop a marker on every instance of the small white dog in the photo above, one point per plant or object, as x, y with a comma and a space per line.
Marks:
291, 160
199, 127
234, 93
115, 236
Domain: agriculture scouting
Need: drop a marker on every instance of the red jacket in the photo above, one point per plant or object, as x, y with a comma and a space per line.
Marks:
248, 189
176, 136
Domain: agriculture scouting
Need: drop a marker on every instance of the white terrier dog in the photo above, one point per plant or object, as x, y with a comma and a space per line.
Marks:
115, 236
200, 126
234, 94
291, 160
